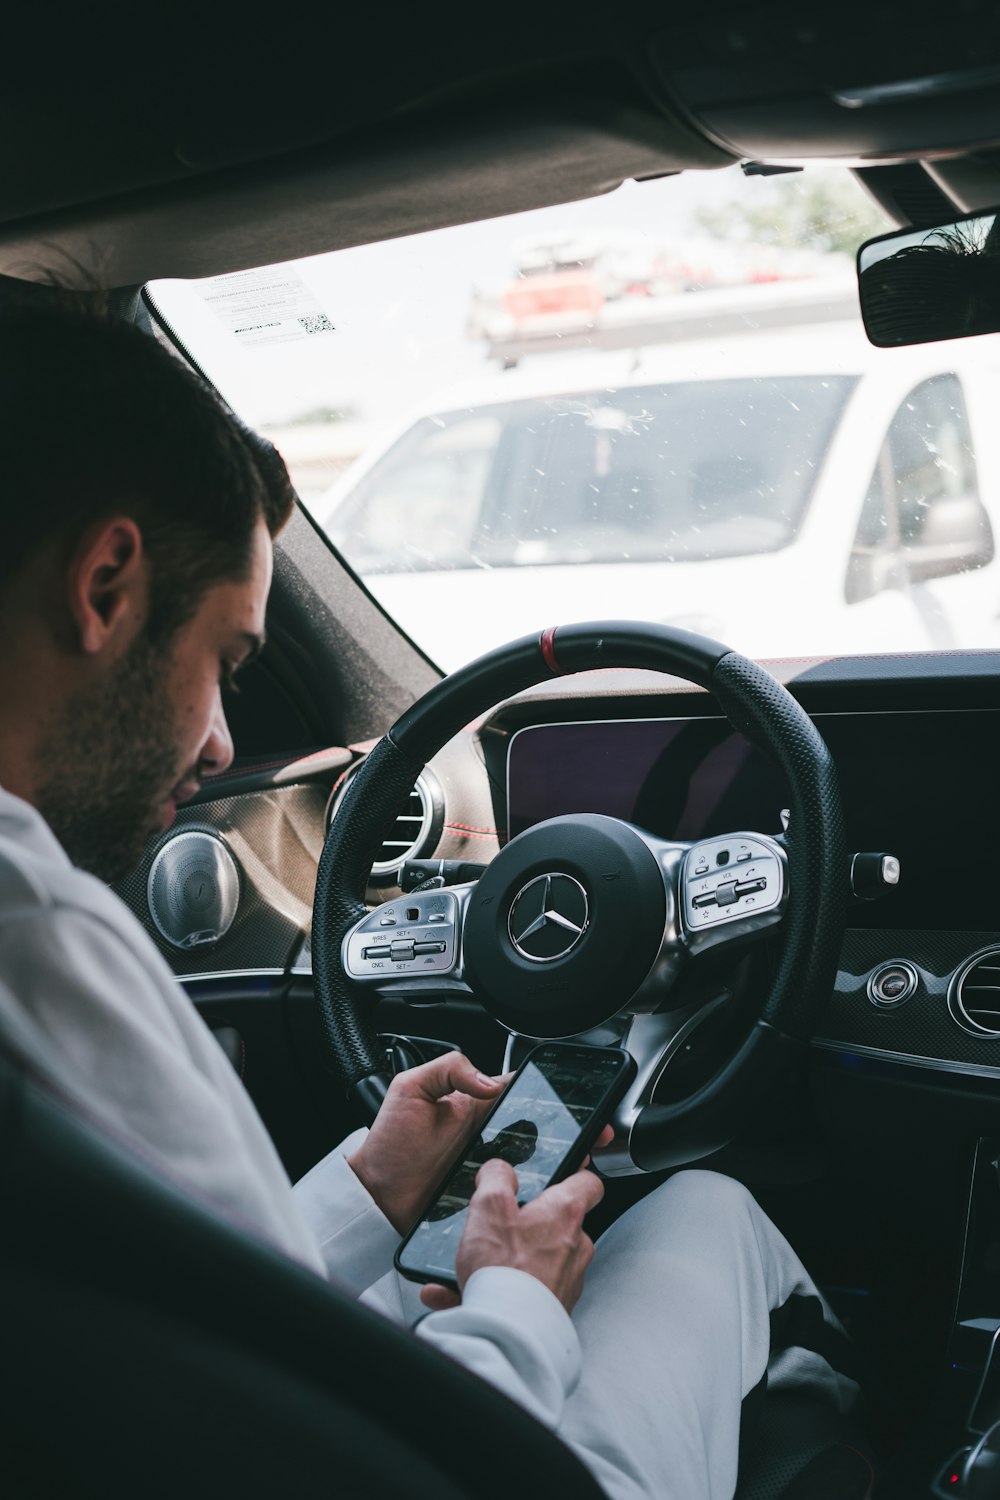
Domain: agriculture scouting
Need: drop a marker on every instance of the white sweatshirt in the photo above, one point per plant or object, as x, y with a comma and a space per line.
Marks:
86, 998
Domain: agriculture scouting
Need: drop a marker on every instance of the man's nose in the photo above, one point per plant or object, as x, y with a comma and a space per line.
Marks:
217, 751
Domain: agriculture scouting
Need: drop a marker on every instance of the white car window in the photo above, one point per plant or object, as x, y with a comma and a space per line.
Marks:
688, 470
924, 481
422, 507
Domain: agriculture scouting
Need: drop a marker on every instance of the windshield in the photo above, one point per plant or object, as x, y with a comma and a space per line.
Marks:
657, 405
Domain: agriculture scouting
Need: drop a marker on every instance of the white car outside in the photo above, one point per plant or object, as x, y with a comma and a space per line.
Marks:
795, 494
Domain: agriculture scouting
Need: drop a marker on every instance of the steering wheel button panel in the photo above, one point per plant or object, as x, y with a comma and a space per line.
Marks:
423, 940
724, 895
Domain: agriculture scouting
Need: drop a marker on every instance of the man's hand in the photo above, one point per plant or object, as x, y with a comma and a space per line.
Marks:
427, 1116
544, 1238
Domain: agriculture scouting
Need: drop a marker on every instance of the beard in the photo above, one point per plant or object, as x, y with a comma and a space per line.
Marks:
109, 764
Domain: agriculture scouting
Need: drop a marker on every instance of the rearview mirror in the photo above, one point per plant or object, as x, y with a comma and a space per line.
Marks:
922, 285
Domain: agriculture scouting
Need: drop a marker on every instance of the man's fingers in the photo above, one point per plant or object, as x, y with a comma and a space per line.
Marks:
496, 1179
450, 1073
605, 1138
439, 1298
583, 1191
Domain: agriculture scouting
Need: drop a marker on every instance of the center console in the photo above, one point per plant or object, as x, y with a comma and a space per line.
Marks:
972, 1382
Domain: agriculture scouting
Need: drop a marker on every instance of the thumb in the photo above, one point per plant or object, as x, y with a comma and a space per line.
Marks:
449, 1074
439, 1298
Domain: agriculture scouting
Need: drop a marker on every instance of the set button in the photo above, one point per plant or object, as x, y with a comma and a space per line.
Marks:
403, 952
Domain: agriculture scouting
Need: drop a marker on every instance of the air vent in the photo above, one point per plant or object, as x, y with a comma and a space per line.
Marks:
974, 994
408, 834
415, 831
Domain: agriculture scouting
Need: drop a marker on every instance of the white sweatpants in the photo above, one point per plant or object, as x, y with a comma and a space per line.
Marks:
675, 1327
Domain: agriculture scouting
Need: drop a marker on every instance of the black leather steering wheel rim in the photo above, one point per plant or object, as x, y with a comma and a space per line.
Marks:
758, 706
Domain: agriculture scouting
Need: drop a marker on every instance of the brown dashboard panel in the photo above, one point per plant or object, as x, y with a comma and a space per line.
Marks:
275, 837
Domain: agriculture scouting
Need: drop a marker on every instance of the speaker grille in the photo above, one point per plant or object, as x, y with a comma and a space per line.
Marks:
276, 837
193, 889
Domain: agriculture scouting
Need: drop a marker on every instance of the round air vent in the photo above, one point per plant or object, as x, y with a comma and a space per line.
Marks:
974, 994
408, 833
415, 831
193, 889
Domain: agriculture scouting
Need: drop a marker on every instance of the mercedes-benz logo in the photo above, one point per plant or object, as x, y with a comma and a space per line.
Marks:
548, 917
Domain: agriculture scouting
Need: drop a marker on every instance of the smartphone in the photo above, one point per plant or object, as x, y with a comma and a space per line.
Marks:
544, 1124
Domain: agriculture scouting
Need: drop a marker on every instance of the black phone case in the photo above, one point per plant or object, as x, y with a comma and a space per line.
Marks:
570, 1164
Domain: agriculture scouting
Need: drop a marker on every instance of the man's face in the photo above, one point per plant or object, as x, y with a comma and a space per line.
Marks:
132, 747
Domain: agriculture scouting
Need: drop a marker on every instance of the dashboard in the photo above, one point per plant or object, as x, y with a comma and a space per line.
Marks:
695, 778
915, 745
919, 785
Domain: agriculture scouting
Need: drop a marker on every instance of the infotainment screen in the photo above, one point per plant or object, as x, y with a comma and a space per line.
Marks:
923, 786
679, 778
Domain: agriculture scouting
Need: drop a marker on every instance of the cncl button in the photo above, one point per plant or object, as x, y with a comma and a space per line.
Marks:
891, 984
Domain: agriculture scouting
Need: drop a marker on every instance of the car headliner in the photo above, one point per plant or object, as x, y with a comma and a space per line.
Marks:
195, 141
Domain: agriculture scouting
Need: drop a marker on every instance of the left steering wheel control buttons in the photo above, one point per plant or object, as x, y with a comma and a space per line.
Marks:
420, 939
891, 984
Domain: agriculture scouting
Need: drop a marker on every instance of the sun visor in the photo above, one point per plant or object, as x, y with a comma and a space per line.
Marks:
894, 80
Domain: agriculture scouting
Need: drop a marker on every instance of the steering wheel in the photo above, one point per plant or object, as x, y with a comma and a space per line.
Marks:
584, 918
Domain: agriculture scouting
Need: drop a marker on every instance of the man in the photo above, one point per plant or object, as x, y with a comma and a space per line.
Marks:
138, 524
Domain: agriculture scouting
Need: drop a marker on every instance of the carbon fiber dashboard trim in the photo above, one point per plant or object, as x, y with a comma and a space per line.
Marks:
922, 1030
276, 837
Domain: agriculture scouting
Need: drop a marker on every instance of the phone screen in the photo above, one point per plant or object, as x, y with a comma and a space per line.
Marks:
561, 1095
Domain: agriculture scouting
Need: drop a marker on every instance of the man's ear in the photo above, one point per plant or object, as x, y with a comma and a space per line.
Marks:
106, 583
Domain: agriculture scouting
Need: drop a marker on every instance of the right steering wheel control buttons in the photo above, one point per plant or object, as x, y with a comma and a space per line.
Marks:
716, 892
422, 939
891, 984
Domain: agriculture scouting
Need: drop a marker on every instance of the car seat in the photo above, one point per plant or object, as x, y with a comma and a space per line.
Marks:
151, 1348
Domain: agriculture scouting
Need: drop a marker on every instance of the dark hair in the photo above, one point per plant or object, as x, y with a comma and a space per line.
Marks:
96, 418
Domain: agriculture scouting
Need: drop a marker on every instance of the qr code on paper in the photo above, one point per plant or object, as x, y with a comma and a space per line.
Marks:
316, 323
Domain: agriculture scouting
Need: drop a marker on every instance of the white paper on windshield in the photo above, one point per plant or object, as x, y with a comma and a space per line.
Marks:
272, 305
